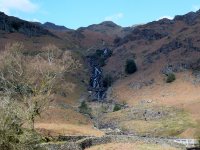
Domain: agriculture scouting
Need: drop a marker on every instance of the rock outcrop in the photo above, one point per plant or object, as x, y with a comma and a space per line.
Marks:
189, 18
52, 26
12, 24
92, 141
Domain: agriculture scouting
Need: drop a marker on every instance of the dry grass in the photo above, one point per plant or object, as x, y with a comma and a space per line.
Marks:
173, 123
58, 115
35, 43
132, 146
57, 121
66, 89
181, 94
68, 129
141, 127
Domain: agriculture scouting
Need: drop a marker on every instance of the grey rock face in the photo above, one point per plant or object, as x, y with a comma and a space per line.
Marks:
189, 19
173, 45
147, 34
52, 26
179, 67
196, 71
61, 146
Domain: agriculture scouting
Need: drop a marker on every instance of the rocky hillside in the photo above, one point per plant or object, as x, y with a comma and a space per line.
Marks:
33, 35
155, 41
13, 25
100, 34
93, 36
160, 49
51, 26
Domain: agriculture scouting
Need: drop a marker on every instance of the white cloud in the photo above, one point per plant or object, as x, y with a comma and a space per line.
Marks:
114, 17
17, 5
35, 20
195, 7
167, 17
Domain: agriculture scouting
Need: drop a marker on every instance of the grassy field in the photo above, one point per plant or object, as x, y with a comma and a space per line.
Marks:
67, 129
57, 121
182, 96
131, 146
173, 122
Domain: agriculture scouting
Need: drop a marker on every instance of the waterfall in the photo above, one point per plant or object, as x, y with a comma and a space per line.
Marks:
96, 80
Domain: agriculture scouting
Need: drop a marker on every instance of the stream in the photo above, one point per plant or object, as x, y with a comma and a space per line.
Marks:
96, 62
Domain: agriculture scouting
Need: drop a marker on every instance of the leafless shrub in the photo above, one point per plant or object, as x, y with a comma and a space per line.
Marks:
23, 97
26, 90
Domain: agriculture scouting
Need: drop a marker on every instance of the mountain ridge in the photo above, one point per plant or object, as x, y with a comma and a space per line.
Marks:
143, 103
13, 24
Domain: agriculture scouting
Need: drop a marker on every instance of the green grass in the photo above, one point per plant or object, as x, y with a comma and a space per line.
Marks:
176, 124
173, 124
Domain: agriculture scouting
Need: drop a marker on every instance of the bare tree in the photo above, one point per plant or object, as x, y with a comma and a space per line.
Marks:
26, 91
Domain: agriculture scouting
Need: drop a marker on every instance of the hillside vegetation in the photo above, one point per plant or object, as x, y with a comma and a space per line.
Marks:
30, 86
146, 82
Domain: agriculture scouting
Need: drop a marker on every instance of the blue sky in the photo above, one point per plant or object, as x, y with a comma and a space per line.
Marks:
79, 13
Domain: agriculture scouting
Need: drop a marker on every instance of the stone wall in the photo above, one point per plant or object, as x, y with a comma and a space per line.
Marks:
92, 141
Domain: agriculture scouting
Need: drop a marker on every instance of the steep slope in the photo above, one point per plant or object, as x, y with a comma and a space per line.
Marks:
51, 26
34, 35
98, 35
93, 36
160, 48
71, 86
13, 25
164, 43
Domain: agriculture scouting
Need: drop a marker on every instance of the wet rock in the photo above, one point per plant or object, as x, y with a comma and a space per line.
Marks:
96, 81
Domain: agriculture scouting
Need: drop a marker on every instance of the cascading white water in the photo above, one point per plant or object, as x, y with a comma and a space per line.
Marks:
99, 92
